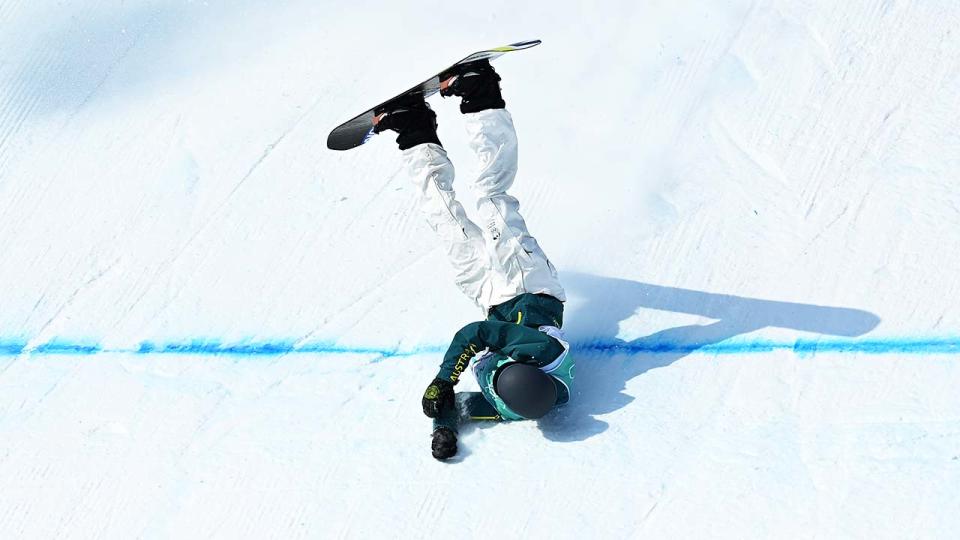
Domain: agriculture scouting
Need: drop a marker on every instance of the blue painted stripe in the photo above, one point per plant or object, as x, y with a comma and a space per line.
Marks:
12, 347
800, 346
932, 345
58, 347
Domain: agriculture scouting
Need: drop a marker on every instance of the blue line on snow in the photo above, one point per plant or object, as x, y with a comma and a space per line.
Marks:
58, 347
279, 347
11, 347
800, 346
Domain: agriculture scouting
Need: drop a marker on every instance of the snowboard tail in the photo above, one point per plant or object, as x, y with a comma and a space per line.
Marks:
359, 129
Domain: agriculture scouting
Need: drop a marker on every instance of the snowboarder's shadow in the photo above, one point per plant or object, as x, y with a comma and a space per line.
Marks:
601, 377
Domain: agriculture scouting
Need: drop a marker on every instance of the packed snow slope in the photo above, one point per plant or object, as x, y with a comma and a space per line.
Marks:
213, 326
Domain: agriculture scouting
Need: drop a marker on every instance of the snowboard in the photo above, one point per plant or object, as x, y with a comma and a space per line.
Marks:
359, 129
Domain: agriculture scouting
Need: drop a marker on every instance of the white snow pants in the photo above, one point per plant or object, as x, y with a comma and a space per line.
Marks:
501, 261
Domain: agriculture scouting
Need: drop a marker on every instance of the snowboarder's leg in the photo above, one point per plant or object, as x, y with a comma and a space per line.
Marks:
432, 174
522, 265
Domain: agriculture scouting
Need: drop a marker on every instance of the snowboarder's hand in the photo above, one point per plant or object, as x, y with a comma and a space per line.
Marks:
444, 443
438, 397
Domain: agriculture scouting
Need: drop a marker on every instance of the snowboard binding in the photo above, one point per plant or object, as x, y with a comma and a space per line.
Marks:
359, 129
477, 83
411, 117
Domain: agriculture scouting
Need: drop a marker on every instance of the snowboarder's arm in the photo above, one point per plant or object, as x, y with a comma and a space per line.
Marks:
521, 343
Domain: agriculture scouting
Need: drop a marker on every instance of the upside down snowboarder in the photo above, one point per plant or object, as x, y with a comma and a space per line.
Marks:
518, 353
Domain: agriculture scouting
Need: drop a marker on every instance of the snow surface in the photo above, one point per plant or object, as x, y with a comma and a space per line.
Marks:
212, 326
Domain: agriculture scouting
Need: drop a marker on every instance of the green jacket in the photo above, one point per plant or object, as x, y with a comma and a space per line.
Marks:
525, 329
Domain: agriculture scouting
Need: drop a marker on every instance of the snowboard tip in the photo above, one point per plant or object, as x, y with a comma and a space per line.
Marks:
518, 45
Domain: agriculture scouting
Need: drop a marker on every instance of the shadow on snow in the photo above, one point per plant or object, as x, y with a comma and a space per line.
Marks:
601, 378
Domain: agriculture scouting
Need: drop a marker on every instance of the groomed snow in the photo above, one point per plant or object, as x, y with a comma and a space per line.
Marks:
213, 326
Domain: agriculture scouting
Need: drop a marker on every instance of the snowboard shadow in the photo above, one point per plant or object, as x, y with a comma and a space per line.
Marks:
606, 363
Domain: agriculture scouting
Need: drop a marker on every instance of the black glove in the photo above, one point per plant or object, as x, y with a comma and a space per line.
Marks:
437, 398
444, 443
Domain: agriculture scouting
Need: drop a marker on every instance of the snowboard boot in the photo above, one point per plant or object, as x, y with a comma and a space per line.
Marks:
444, 445
411, 118
477, 83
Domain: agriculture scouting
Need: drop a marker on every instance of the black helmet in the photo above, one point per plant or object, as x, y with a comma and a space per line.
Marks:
528, 391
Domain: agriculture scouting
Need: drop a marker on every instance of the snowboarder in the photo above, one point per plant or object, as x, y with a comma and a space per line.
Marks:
519, 356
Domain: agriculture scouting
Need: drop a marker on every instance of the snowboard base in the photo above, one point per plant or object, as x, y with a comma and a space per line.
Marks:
359, 129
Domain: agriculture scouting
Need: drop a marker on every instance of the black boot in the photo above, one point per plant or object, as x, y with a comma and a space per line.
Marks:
444, 444
411, 118
477, 83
